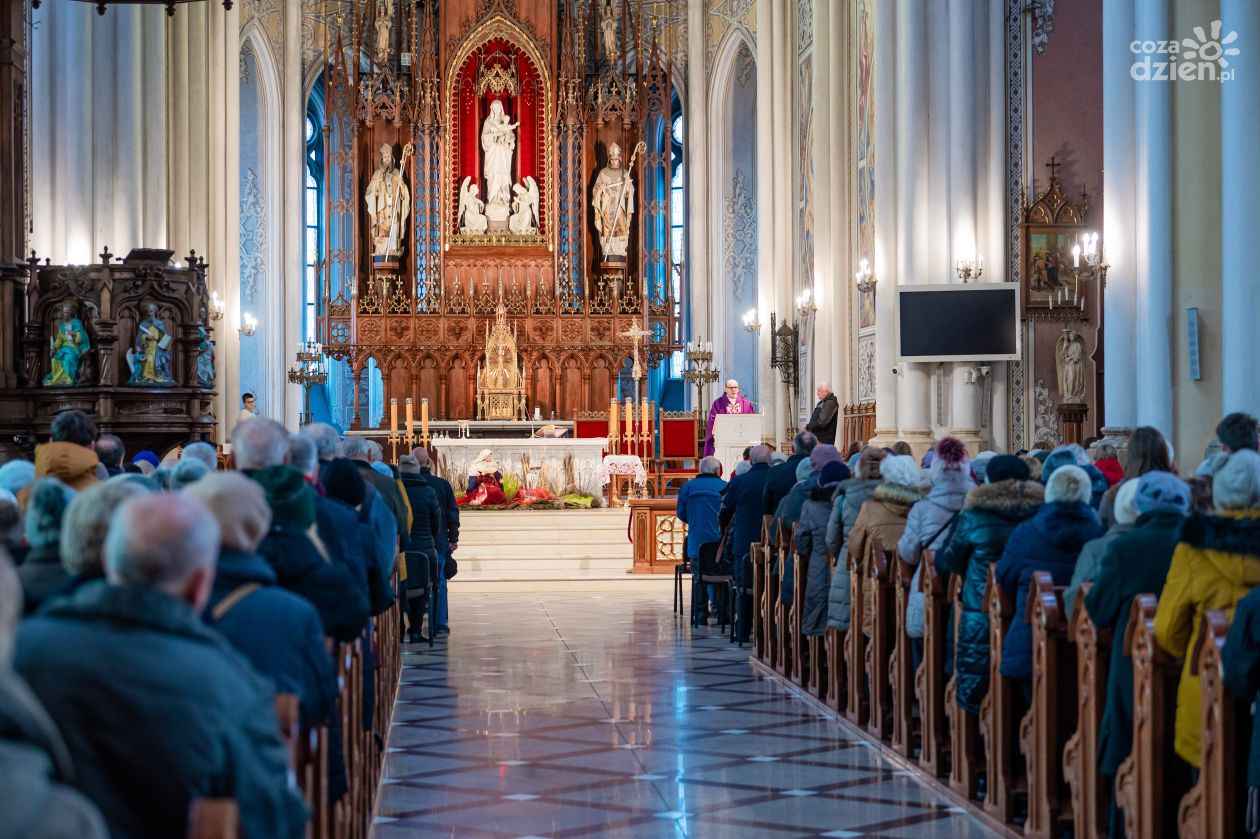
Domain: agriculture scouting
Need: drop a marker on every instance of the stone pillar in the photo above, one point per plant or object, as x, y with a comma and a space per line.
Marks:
830, 326
293, 142
884, 260
701, 289
766, 212
1119, 209
1240, 228
1154, 319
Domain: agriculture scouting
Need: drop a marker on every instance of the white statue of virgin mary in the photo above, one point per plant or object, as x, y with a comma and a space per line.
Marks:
498, 143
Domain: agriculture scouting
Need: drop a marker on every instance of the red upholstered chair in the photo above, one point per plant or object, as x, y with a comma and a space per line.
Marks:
591, 424
680, 443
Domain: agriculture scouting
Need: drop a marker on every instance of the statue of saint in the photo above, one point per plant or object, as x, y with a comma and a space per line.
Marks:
67, 345
388, 205
150, 355
612, 198
524, 219
205, 358
384, 24
498, 142
471, 215
1069, 356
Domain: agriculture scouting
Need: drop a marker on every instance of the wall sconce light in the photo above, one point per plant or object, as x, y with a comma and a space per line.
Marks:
750, 321
968, 269
864, 278
249, 324
806, 306
216, 306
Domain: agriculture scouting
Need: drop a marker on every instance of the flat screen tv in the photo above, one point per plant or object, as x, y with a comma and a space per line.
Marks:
958, 322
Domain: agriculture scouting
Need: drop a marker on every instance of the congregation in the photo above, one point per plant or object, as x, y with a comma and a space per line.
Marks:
151, 615
1092, 526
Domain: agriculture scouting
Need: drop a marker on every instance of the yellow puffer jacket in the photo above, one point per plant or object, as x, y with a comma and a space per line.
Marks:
1216, 564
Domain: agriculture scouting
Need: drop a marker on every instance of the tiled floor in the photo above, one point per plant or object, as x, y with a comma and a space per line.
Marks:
574, 714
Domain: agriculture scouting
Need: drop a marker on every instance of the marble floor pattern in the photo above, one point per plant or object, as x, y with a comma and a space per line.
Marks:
574, 714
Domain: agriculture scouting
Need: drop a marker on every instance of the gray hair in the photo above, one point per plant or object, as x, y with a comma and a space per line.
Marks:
10, 608
45, 510
110, 450
303, 453
203, 452
421, 454
826, 386
710, 466
86, 522
376, 454
804, 442
259, 443
162, 477
157, 541
358, 448
408, 465
188, 472
759, 454
327, 440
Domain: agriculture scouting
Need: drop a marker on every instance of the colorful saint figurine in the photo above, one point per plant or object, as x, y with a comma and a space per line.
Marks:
67, 346
150, 355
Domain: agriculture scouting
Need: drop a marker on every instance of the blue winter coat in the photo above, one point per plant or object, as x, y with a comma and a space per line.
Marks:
157, 709
1049, 541
699, 501
741, 507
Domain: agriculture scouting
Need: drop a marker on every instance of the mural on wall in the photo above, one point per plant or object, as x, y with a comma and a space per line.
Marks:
253, 233
865, 154
724, 15
805, 187
739, 216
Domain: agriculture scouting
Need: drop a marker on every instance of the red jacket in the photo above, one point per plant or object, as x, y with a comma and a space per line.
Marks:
1111, 469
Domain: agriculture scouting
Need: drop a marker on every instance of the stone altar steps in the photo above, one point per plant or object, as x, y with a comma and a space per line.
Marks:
542, 545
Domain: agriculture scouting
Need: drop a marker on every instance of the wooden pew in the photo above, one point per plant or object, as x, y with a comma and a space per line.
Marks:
796, 612
774, 630
833, 642
879, 653
1152, 779
214, 818
1052, 718
929, 681
783, 613
760, 571
313, 780
1080, 755
902, 672
1004, 772
966, 754
1216, 805
857, 703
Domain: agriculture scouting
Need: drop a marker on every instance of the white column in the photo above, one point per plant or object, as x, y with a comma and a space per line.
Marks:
767, 150
293, 144
963, 118
701, 289
1119, 207
830, 325
992, 231
223, 207
1154, 232
1240, 230
884, 263
913, 263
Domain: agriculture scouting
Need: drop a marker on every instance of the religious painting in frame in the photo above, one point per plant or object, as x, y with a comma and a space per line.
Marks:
1047, 264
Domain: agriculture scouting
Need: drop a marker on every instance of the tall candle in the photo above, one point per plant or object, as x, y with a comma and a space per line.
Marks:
645, 427
424, 418
393, 416
629, 423
409, 415
612, 427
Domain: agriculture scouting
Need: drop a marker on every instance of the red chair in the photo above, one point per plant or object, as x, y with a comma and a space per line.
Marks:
680, 443
591, 424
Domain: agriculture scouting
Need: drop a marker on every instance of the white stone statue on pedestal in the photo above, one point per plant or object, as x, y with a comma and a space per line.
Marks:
388, 205
524, 218
498, 144
1069, 356
471, 214
612, 198
384, 25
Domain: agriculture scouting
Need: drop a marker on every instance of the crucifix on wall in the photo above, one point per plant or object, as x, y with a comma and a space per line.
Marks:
636, 334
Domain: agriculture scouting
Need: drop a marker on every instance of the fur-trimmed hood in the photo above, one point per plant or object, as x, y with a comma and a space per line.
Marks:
1234, 533
898, 498
1016, 499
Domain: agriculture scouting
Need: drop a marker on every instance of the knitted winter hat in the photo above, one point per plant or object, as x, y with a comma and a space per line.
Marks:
383, 468
291, 498
1162, 492
343, 481
1125, 509
240, 506
146, 456
16, 474
833, 473
1068, 483
804, 469
1005, 467
901, 469
823, 454
1236, 485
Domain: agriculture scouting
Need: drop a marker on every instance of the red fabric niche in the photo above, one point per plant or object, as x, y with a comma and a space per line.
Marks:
527, 108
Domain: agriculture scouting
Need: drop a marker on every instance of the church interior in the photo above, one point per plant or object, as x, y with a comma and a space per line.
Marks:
515, 418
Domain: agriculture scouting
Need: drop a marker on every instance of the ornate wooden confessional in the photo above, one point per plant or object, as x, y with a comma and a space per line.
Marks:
462, 153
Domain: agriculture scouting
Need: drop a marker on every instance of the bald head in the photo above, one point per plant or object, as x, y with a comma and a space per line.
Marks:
164, 541
421, 454
759, 454
259, 443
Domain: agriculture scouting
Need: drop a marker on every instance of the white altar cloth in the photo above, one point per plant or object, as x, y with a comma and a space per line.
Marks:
561, 466
623, 464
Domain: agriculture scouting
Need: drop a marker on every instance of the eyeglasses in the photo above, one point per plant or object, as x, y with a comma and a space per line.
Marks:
734, 387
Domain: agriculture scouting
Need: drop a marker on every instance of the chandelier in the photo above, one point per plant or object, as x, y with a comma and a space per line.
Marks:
169, 4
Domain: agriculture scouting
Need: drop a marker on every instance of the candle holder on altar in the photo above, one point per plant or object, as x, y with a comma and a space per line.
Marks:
311, 369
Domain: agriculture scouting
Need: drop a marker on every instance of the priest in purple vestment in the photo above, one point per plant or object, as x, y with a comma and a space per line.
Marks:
730, 402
